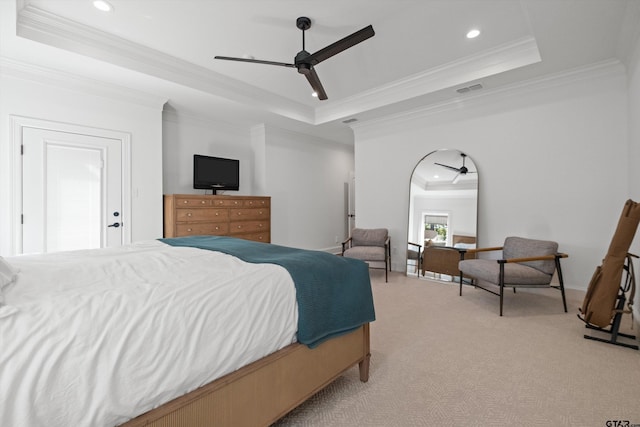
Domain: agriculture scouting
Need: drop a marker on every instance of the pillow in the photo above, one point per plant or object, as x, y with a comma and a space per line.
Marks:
8, 273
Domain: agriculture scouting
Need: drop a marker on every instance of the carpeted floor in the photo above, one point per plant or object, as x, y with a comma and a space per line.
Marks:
440, 359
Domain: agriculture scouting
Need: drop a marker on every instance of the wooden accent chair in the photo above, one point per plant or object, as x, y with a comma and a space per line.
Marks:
445, 259
524, 263
369, 245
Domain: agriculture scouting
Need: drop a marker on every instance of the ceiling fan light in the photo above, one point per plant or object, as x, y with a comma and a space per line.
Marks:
456, 179
314, 94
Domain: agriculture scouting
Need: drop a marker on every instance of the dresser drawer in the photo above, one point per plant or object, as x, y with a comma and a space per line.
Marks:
192, 202
262, 203
185, 215
248, 214
263, 236
216, 229
226, 203
247, 226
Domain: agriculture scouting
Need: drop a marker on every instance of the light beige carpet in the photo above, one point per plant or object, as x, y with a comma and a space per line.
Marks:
439, 359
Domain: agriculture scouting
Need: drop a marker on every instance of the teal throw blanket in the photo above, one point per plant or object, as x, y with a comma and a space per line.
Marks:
333, 293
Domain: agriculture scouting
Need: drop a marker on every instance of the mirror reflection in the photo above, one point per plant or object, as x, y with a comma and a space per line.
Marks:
443, 207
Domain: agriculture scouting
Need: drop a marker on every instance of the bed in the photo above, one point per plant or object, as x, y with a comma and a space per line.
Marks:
198, 331
444, 259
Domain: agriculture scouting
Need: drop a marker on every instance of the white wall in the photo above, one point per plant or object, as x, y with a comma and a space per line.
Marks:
551, 158
633, 67
303, 175
183, 136
70, 101
306, 178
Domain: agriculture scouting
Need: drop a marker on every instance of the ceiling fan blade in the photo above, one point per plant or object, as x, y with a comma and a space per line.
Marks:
448, 167
255, 61
340, 45
314, 81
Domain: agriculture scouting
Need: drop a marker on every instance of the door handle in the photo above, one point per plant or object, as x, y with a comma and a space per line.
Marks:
115, 224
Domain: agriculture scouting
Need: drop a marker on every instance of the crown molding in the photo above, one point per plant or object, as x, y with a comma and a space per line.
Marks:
301, 137
629, 40
39, 25
597, 70
516, 54
192, 118
25, 71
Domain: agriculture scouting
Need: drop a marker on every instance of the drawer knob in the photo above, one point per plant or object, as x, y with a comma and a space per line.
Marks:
185, 202
217, 213
188, 229
217, 228
259, 225
239, 227
202, 201
189, 214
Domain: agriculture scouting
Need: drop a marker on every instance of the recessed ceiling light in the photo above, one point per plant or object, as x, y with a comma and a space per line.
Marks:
473, 34
103, 5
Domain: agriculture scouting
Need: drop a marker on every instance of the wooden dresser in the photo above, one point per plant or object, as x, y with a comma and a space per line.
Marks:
246, 217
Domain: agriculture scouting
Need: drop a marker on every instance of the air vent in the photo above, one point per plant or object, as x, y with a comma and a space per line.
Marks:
350, 120
469, 88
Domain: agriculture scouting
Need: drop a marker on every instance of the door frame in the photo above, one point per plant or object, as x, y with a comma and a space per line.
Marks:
17, 124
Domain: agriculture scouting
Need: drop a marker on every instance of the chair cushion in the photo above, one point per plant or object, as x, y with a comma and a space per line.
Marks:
369, 237
366, 253
514, 273
411, 254
519, 247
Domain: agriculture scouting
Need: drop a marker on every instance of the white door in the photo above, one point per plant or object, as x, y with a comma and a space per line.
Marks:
72, 191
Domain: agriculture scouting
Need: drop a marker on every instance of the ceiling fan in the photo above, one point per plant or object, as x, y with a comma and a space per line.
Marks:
305, 61
463, 170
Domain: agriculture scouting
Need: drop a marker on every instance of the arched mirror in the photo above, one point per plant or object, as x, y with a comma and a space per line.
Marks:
443, 212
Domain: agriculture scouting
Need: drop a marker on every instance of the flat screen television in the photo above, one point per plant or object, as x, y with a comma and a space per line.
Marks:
215, 173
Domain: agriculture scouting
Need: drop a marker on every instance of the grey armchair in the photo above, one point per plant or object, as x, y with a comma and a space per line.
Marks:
524, 263
414, 254
371, 246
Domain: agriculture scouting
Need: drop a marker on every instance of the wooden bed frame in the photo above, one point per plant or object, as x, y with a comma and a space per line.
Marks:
266, 390
444, 259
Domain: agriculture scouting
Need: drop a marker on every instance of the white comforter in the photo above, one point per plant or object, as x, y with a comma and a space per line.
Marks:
93, 338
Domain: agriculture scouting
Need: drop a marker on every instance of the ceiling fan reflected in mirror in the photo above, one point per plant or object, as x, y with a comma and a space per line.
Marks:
305, 61
461, 171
